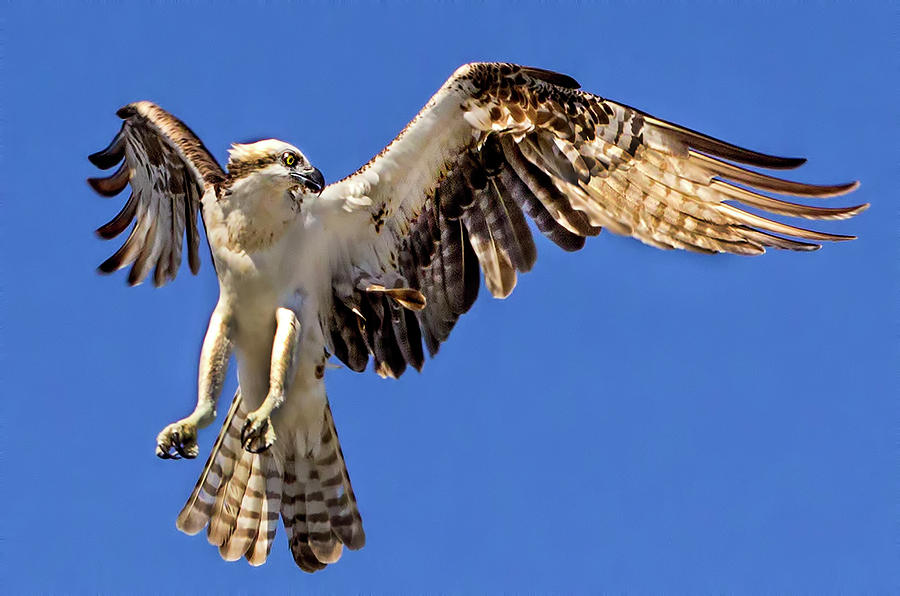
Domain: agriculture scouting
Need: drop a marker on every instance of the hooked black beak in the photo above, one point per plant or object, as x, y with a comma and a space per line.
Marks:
312, 180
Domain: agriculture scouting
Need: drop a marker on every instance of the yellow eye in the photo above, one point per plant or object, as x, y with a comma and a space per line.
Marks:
289, 159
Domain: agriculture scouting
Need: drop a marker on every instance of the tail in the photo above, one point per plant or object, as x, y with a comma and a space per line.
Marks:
240, 495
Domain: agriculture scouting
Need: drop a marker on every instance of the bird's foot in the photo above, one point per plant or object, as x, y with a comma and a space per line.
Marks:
178, 440
257, 434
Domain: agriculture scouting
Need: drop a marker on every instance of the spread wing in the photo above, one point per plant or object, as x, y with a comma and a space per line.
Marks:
169, 170
499, 142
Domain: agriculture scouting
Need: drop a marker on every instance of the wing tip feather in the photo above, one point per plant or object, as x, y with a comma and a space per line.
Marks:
723, 149
110, 265
111, 154
832, 190
104, 233
106, 187
136, 276
784, 163
855, 210
103, 159
848, 187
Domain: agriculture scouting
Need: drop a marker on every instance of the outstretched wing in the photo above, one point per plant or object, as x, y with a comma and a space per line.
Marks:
169, 170
498, 142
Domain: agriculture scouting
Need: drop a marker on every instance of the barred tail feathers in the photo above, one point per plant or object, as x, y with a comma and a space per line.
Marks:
320, 513
240, 495
219, 468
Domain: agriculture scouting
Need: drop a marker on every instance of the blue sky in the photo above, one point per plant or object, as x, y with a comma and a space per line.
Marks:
629, 420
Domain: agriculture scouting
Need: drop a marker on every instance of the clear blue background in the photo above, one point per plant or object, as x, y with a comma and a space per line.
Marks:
630, 420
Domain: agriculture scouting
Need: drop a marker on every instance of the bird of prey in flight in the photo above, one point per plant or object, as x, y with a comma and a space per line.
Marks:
375, 265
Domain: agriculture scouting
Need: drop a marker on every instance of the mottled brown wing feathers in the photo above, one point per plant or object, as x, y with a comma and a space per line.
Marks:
499, 142
169, 169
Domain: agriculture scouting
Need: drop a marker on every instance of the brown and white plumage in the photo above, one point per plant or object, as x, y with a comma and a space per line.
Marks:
169, 170
500, 143
240, 496
387, 259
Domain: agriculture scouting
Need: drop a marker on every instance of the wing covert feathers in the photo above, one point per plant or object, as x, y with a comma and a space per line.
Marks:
500, 141
240, 496
169, 169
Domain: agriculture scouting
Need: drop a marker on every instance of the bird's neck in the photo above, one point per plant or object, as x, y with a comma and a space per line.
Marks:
254, 214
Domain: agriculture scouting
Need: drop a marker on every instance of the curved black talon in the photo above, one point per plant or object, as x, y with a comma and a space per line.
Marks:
167, 454
259, 450
244, 430
247, 439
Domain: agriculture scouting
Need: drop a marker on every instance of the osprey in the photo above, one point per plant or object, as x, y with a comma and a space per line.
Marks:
376, 264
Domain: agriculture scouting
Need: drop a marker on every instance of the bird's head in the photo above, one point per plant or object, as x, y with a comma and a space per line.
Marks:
276, 164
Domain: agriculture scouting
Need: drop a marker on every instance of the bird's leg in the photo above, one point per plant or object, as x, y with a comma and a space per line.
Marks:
258, 434
179, 439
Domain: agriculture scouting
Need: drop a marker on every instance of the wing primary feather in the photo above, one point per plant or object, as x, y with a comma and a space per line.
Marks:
113, 154
766, 239
145, 255
117, 224
763, 182
773, 226
784, 207
114, 184
161, 271
128, 251
714, 146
